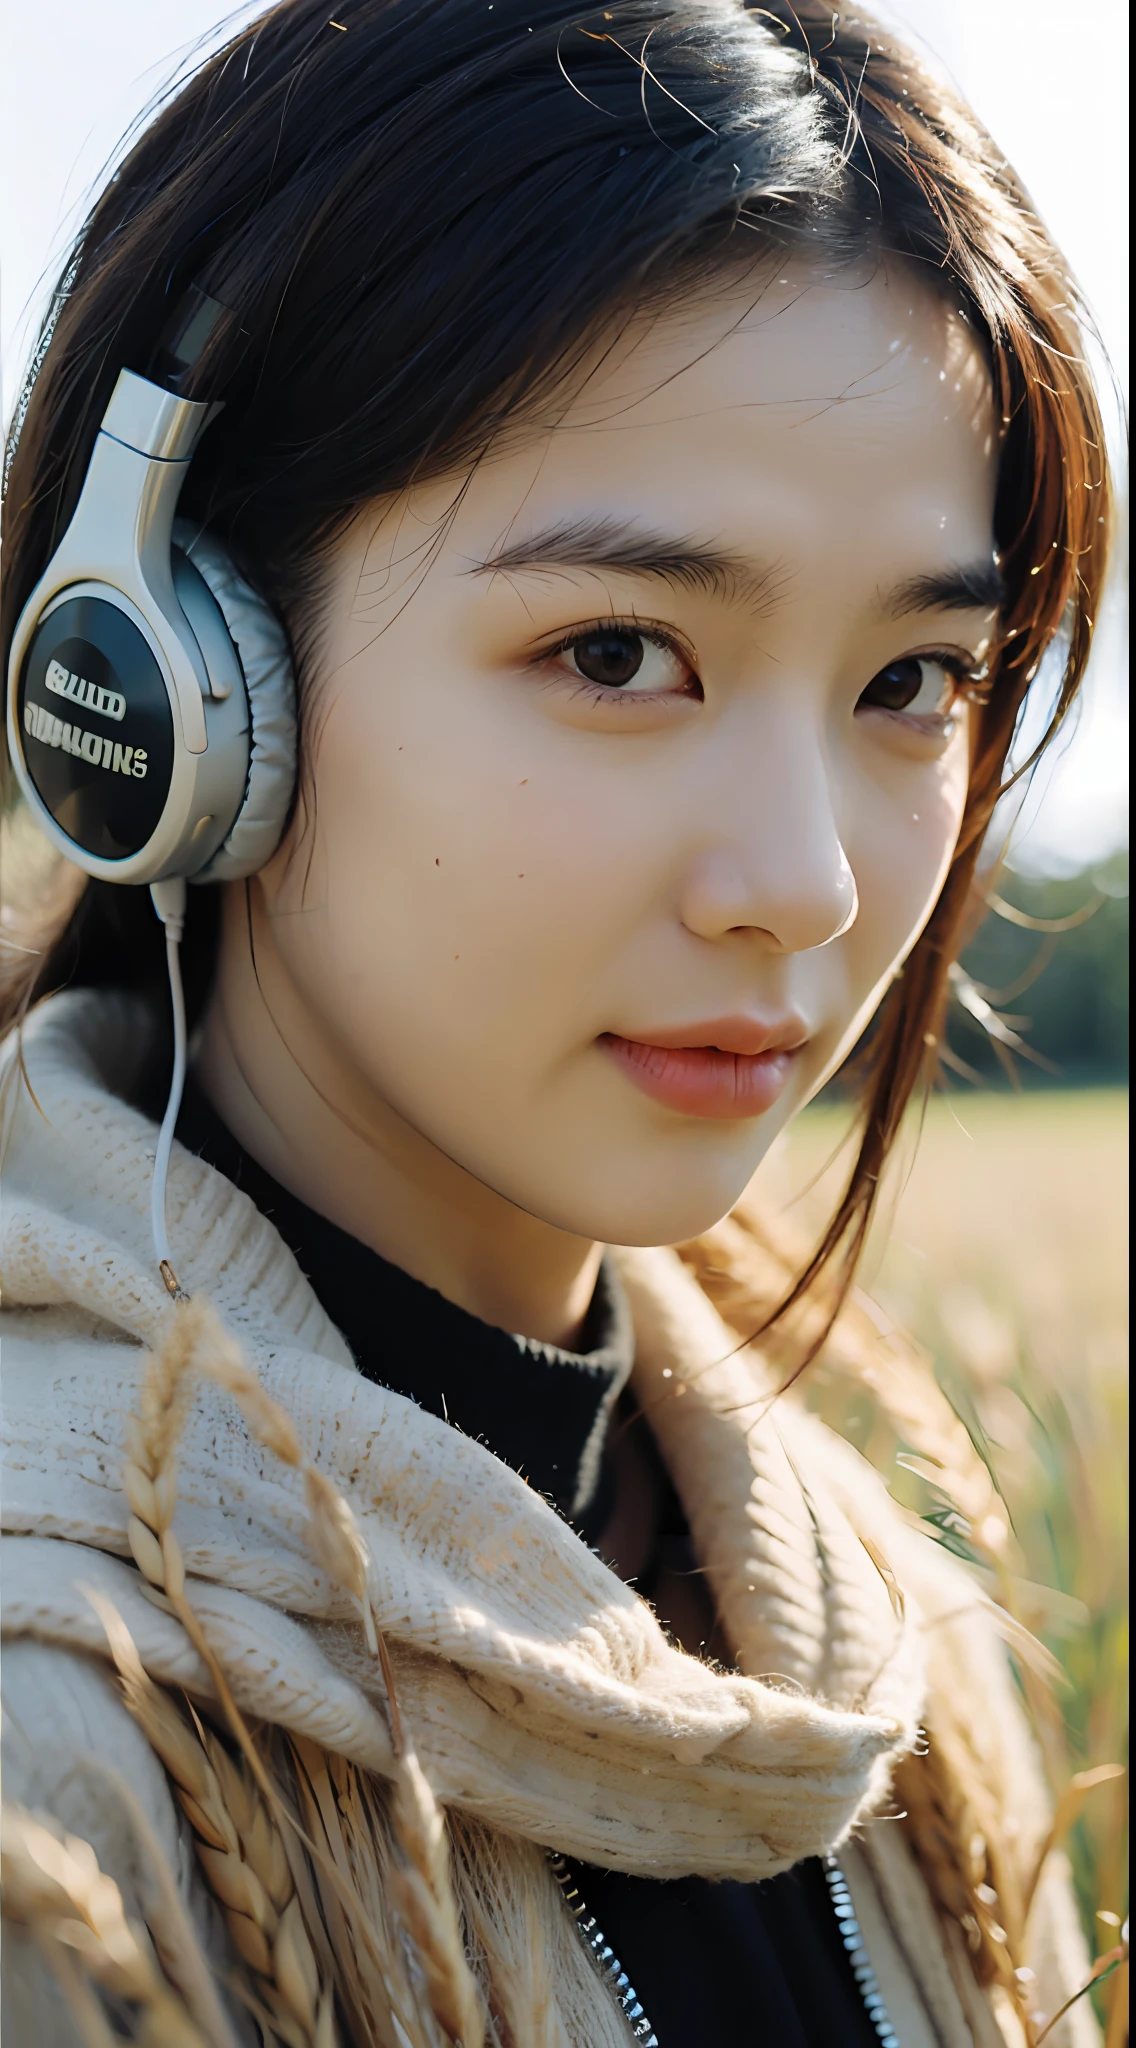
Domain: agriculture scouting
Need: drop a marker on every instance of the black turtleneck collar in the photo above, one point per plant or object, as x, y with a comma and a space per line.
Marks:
542, 1410
704, 1956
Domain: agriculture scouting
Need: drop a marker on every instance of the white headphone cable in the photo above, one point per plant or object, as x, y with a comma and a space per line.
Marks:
168, 899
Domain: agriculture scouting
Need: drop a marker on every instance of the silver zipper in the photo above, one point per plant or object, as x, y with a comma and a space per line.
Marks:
850, 1934
603, 1955
610, 1968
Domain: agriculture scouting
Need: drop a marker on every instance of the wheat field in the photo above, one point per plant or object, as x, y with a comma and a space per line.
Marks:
1003, 1247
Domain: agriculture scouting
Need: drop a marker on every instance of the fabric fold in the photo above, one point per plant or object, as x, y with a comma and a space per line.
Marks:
543, 1693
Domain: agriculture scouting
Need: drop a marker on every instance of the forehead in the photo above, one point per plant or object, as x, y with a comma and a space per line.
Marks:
834, 424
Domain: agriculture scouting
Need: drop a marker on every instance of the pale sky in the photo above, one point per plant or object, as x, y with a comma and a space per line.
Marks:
1048, 79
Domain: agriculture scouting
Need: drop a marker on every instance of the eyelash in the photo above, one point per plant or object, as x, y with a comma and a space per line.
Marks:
599, 693
970, 681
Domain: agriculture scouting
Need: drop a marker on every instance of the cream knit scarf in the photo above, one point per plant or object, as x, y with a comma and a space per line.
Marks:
543, 1695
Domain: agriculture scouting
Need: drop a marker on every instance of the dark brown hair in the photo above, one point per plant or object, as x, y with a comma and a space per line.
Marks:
420, 214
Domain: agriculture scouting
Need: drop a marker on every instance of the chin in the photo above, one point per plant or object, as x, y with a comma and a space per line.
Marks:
667, 1222
660, 1195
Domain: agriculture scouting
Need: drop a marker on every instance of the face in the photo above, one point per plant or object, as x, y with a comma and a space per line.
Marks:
638, 757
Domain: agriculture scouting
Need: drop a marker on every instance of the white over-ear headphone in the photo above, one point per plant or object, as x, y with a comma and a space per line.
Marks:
151, 698
151, 701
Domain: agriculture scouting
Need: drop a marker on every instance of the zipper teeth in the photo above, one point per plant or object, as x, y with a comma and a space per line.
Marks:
603, 1955
610, 1968
850, 1934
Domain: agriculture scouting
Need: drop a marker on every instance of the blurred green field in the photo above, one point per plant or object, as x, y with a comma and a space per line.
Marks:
1003, 1248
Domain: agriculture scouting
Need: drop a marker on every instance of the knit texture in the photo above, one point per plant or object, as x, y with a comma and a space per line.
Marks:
544, 1697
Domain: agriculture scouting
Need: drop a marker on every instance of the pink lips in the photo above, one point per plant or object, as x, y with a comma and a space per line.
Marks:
729, 1067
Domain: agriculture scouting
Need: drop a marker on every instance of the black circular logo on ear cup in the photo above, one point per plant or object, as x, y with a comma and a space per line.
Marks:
96, 725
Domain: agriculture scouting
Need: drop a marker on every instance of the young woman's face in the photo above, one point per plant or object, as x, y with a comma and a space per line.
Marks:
637, 774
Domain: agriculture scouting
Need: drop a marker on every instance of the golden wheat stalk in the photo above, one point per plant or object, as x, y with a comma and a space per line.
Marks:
235, 1820
507, 1902
344, 1810
339, 1547
333, 1533
425, 1901
422, 1884
197, 1338
194, 1337
54, 1887
239, 1846
957, 1850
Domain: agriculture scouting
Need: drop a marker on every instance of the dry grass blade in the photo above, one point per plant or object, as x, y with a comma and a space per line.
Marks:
394, 1853
895, 1591
54, 1887
336, 1542
1068, 1807
1103, 1967
347, 1811
514, 1910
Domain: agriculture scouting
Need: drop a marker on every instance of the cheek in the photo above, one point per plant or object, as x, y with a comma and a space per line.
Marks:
901, 850
463, 869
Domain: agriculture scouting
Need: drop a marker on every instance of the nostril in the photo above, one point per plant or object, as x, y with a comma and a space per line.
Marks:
796, 897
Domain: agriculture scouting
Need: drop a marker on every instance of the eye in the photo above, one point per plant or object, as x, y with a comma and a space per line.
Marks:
923, 685
626, 658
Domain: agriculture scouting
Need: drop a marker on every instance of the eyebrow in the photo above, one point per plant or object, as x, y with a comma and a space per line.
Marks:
968, 587
689, 563
625, 546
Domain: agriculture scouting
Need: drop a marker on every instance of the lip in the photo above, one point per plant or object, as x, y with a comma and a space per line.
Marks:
728, 1068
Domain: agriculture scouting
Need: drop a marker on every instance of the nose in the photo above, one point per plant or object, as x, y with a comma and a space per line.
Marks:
770, 858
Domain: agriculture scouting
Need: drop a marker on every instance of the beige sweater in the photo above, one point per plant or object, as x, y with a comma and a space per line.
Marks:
543, 1696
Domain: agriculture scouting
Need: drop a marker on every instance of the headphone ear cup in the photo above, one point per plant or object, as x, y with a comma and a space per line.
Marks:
266, 663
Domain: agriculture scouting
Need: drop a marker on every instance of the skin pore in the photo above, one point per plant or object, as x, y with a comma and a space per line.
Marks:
652, 733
